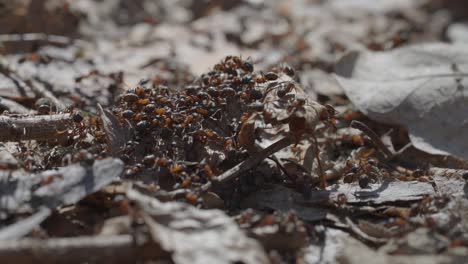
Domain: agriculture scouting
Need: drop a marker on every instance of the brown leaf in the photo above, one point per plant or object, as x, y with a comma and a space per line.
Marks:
398, 211
246, 137
212, 200
286, 103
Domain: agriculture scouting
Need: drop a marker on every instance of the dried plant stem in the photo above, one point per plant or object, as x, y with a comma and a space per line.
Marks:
374, 138
353, 228
322, 178
34, 37
251, 162
97, 249
36, 85
39, 89
46, 127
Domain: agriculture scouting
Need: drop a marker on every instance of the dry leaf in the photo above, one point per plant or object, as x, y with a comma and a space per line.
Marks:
246, 137
24, 226
23, 193
282, 199
197, 236
117, 133
286, 103
422, 87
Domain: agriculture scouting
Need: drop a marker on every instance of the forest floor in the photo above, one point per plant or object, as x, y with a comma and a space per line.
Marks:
233, 131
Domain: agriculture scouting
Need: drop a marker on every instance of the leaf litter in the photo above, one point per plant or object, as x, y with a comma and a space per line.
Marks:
425, 90
127, 126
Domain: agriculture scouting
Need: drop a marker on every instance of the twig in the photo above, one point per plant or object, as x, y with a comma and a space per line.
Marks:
323, 180
250, 162
46, 127
36, 85
20, 84
403, 149
39, 89
373, 137
34, 37
85, 249
281, 167
12, 106
24, 226
353, 228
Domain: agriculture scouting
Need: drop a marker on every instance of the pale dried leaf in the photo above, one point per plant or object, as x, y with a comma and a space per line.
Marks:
23, 192
13, 107
197, 236
386, 192
319, 82
422, 87
283, 199
450, 182
76, 181
24, 226
6, 157
381, 6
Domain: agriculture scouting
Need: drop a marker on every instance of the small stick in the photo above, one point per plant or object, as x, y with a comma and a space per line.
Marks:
322, 178
41, 127
353, 228
84, 249
37, 86
13, 107
34, 37
251, 162
281, 167
374, 138
24, 226
403, 149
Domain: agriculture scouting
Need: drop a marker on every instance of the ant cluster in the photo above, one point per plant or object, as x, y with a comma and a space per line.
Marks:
186, 137
364, 171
